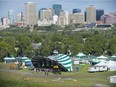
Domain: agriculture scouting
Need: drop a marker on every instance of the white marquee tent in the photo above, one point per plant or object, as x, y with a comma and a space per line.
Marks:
110, 64
80, 55
102, 57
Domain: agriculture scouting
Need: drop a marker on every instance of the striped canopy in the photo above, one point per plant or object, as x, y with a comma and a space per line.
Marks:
63, 60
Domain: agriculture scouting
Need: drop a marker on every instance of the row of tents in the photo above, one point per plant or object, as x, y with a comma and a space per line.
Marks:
103, 66
25, 60
63, 60
80, 57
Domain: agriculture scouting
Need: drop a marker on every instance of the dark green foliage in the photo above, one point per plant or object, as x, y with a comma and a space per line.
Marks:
97, 41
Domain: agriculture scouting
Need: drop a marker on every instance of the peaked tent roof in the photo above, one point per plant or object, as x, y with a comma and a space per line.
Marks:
113, 56
63, 60
102, 63
106, 63
92, 56
9, 58
102, 57
80, 55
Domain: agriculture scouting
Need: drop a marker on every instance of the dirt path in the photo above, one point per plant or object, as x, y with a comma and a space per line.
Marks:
24, 73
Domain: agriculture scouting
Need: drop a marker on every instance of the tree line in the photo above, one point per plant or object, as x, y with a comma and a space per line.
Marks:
16, 41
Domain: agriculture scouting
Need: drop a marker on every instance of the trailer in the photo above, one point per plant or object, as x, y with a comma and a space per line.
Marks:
97, 68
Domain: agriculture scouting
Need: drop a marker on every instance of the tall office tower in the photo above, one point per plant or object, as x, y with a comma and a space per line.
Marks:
57, 9
85, 15
91, 14
11, 16
71, 19
20, 17
79, 17
55, 19
61, 21
65, 14
0, 23
99, 13
46, 14
30, 13
5, 21
77, 10
41, 13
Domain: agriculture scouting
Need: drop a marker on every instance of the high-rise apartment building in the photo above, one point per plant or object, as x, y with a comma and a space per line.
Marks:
85, 15
46, 14
65, 15
77, 10
55, 19
20, 17
91, 14
30, 13
71, 19
11, 16
20, 20
99, 13
57, 9
5, 21
79, 17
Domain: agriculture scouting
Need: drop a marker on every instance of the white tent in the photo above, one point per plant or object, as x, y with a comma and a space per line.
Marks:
80, 55
113, 56
102, 57
9, 59
110, 64
102, 63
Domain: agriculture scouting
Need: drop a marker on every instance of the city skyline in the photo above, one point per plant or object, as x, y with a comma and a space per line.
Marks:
68, 5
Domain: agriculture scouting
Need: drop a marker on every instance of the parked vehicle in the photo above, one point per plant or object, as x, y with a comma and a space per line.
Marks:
97, 68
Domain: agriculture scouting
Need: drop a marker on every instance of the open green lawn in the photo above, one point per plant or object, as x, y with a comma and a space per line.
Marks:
68, 79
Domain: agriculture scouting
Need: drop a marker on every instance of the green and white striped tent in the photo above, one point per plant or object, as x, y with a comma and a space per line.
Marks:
64, 60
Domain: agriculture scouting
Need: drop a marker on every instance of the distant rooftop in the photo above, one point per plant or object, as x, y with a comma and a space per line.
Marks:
29, 2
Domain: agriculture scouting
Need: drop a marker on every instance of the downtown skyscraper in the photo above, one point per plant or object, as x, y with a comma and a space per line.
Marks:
30, 13
11, 16
57, 9
99, 13
76, 10
91, 14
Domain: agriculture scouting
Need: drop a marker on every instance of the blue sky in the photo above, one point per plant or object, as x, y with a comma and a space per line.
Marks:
18, 5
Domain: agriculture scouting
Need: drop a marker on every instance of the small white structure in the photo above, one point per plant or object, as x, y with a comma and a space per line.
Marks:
45, 22
81, 58
97, 68
9, 59
113, 79
80, 55
75, 61
100, 58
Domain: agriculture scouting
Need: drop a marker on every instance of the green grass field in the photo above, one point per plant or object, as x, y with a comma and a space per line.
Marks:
80, 78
